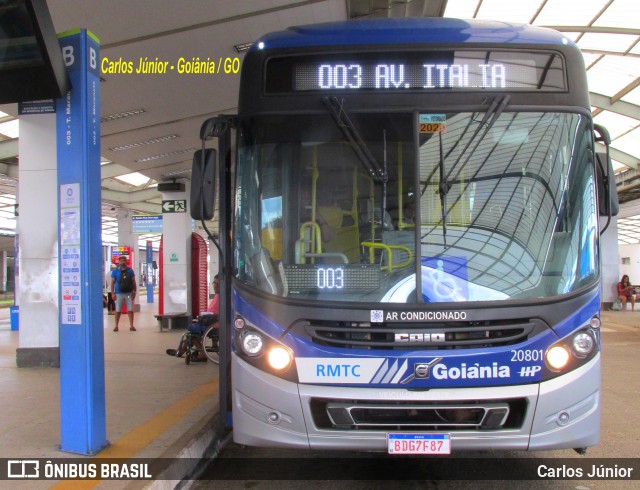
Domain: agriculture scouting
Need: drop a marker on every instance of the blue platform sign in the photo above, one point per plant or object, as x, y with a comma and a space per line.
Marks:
150, 272
146, 223
82, 384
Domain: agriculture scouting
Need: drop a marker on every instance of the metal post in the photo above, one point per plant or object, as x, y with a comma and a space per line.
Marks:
224, 150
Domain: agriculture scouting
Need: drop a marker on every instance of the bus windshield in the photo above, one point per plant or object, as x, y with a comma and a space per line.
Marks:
416, 207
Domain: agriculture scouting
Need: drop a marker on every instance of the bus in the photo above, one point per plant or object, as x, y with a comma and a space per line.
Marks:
409, 222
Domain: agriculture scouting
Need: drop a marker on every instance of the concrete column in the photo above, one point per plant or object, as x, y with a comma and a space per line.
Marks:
37, 228
610, 262
3, 271
176, 251
128, 239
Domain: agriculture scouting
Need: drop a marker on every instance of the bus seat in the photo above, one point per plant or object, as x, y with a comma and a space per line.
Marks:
345, 237
272, 240
309, 246
309, 242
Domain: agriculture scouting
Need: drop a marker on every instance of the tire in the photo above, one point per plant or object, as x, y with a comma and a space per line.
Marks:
211, 345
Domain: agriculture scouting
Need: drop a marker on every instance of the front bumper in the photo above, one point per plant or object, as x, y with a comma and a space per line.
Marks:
562, 413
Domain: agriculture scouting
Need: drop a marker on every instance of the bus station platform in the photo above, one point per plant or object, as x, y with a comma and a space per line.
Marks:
156, 406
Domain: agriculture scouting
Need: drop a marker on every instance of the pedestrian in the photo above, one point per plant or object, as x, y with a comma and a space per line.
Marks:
214, 305
626, 292
123, 289
111, 304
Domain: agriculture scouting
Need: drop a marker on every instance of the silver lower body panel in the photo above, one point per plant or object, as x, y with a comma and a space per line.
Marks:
562, 413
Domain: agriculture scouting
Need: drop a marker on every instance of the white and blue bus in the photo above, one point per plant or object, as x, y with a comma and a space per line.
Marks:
411, 234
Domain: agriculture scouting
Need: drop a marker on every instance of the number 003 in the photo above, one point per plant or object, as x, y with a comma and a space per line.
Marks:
330, 278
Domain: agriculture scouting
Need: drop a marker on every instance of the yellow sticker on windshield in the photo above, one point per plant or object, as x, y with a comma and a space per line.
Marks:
432, 123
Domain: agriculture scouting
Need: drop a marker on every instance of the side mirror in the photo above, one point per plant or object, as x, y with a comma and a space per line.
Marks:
608, 204
203, 184
602, 135
606, 186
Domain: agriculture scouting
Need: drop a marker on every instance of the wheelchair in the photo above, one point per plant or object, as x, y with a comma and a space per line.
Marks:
203, 331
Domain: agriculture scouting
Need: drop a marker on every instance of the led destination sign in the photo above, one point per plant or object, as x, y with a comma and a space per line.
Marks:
430, 71
332, 278
386, 76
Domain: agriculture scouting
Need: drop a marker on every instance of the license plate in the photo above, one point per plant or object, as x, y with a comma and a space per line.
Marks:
418, 443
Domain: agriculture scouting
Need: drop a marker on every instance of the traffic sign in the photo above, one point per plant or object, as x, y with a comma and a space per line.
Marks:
174, 206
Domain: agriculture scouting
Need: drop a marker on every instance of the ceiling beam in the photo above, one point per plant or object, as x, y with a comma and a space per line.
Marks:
142, 207
626, 90
619, 107
9, 149
542, 5
9, 170
111, 170
202, 25
130, 197
625, 158
620, 156
596, 29
609, 52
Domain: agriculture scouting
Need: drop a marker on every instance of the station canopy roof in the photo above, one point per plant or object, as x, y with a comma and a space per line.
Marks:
607, 32
150, 124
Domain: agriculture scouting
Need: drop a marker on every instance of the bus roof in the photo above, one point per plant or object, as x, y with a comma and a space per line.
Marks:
410, 31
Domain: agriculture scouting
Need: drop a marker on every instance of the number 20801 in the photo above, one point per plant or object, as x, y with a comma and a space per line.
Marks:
527, 355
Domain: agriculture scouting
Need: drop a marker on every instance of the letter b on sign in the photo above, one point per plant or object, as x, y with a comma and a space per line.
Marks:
92, 59
67, 55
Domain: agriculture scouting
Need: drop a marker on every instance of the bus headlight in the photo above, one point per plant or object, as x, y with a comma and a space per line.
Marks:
571, 352
557, 357
251, 343
279, 358
583, 343
262, 351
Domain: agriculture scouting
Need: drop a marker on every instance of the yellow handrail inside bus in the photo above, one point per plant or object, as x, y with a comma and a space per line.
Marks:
389, 249
313, 239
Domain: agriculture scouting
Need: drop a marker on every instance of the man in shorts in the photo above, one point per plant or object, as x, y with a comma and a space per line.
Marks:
125, 296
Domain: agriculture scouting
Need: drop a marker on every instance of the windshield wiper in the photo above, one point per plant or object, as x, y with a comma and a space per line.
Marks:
371, 165
443, 189
494, 111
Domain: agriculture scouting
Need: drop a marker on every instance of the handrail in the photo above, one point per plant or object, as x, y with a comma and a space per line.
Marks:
315, 238
389, 249
302, 253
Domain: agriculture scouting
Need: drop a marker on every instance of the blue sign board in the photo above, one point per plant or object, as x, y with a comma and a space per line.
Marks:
82, 383
142, 224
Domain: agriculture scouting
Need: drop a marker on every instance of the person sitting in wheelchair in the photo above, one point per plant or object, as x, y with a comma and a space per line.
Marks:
198, 328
